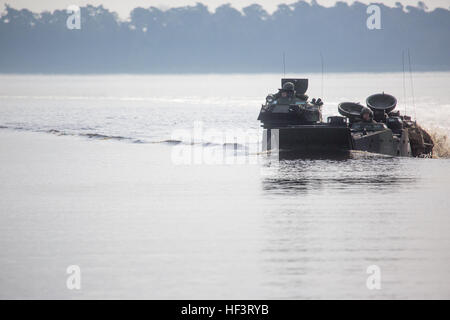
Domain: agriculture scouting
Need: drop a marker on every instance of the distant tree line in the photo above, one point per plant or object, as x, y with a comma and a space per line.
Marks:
194, 39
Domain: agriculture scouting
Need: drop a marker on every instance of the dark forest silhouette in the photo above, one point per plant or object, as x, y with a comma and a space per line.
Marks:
194, 39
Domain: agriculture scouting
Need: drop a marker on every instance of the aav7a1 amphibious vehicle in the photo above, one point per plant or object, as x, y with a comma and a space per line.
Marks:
293, 123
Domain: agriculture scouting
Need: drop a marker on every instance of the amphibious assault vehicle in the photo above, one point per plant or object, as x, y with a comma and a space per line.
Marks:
293, 123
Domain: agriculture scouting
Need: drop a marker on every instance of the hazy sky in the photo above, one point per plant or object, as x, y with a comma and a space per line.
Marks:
123, 7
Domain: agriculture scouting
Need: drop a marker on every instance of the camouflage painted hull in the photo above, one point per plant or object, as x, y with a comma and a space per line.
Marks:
324, 139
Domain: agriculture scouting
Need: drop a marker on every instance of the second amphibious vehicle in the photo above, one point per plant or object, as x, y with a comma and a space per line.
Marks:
293, 123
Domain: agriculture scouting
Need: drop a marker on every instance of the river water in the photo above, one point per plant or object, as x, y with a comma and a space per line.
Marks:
90, 176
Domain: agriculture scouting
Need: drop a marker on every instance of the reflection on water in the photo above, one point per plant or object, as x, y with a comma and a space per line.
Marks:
326, 221
352, 172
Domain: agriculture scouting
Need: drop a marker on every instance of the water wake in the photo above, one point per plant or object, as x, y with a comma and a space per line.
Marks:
441, 143
101, 136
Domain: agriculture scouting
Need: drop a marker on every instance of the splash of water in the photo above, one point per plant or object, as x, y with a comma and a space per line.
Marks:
441, 143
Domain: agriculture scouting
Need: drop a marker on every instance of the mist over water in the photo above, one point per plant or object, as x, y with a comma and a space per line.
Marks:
150, 107
77, 189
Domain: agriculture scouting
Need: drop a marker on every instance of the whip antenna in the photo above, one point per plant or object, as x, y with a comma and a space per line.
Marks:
412, 85
284, 64
321, 62
404, 80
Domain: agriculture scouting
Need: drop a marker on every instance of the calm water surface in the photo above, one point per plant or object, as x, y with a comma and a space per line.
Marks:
140, 226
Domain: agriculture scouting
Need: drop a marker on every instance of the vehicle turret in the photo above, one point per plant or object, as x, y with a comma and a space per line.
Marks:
290, 106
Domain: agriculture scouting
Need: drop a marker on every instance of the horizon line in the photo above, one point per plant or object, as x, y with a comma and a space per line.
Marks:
290, 4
